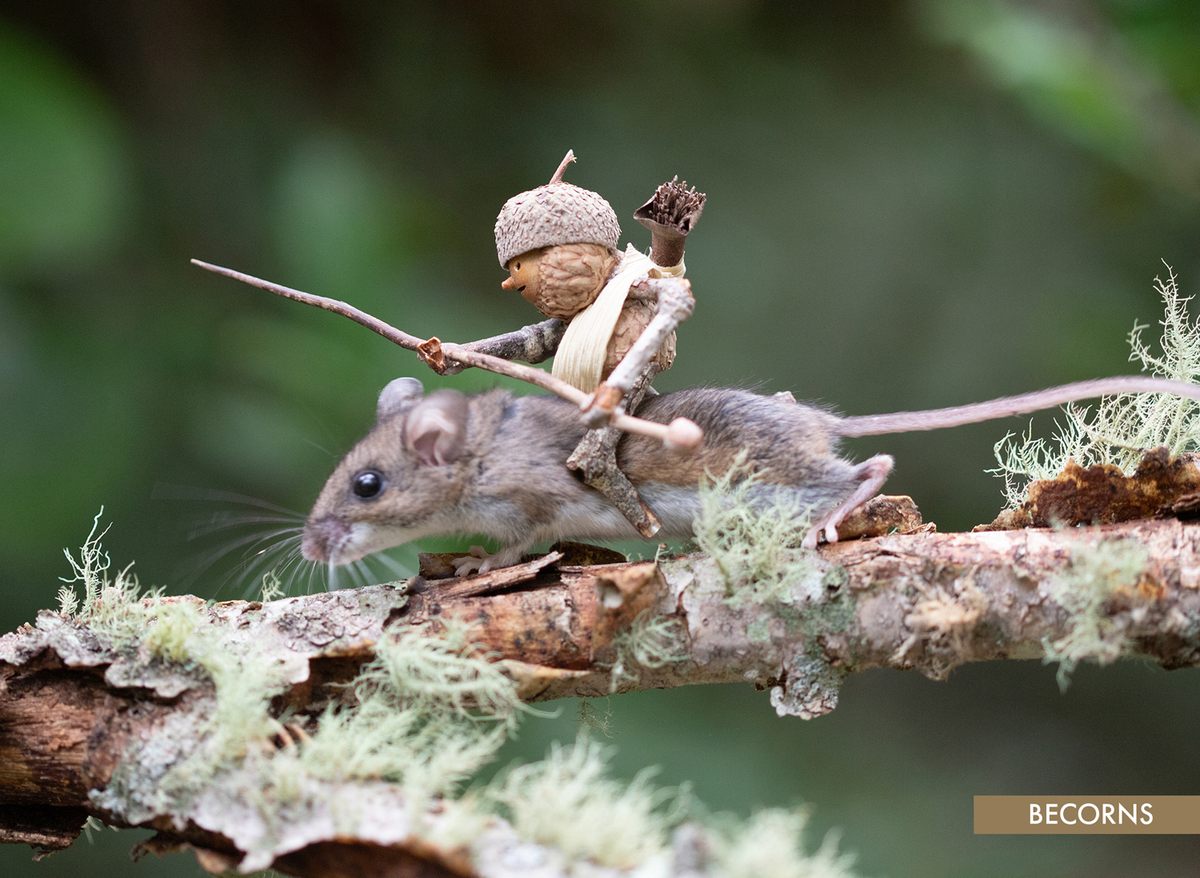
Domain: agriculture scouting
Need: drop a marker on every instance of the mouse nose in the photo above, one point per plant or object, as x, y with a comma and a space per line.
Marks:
321, 539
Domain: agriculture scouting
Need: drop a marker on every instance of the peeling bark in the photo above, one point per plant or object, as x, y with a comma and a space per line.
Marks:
72, 709
1162, 485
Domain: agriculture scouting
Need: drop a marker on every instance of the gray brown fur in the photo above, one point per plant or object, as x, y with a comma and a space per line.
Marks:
510, 481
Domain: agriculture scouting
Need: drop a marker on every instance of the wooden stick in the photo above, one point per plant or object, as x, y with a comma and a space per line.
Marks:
680, 433
562, 167
675, 304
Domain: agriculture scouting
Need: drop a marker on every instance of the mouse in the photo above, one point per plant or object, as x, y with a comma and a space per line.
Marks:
493, 463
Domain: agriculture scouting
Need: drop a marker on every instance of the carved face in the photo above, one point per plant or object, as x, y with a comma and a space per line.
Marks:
524, 275
562, 280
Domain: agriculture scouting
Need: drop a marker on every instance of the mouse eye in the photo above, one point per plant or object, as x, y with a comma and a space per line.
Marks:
367, 484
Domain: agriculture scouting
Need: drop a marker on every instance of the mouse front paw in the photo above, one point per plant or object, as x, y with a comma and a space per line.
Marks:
465, 565
480, 560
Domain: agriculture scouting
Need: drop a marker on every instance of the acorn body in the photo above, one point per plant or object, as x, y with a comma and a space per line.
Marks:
636, 315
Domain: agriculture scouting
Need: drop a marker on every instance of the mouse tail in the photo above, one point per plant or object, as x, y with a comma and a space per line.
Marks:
1007, 406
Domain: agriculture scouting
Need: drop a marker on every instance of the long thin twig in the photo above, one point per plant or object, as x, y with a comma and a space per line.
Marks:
680, 433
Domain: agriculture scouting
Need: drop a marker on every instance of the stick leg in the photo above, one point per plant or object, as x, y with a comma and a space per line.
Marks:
595, 458
871, 473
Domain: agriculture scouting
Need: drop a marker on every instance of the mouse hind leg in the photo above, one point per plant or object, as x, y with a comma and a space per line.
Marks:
870, 475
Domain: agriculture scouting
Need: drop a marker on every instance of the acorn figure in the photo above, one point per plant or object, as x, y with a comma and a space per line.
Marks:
611, 314
558, 243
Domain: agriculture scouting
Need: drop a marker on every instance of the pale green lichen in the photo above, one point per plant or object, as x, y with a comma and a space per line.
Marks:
119, 610
753, 534
272, 587
94, 825
759, 631
652, 641
771, 845
835, 615
444, 674
90, 569
114, 607
171, 629
245, 681
1122, 427
568, 801
459, 822
1095, 573
429, 712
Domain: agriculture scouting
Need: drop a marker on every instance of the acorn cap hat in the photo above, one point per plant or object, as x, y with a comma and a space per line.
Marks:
557, 213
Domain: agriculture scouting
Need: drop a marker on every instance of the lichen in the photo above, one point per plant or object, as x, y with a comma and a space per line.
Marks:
114, 607
942, 622
1095, 573
652, 641
1122, 427
272, 587
753, 533
810, 687
771, 845
245, 681
428, 713
568, 801
172, 625
443, 674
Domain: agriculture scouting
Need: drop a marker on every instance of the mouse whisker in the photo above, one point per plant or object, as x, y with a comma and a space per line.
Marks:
259, 562
359, 573
321, 448
252, 545
212, 495
227, 521
227, 550
288, 568
394, 566
304, 571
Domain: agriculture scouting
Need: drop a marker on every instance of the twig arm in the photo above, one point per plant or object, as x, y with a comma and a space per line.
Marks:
535, 343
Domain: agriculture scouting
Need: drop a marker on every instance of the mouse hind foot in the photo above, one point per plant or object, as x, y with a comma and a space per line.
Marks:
871, 475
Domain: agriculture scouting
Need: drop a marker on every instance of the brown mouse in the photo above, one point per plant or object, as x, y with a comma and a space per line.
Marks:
494, 464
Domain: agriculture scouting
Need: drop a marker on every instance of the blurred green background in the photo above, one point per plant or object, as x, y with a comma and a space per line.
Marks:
911, 204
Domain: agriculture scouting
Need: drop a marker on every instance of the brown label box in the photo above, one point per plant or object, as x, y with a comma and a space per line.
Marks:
1087, 815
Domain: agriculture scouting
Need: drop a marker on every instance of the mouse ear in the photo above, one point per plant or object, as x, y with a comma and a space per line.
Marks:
436, 429
397, 396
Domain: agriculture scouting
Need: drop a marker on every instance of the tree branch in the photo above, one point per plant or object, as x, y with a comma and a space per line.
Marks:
73, 710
